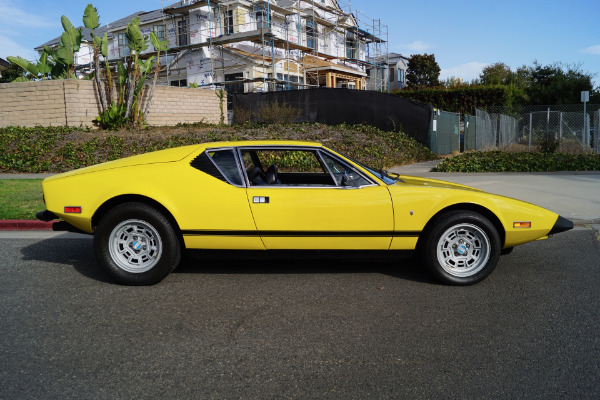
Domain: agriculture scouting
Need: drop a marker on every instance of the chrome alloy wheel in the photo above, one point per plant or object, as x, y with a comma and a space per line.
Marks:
463, 250
135, 246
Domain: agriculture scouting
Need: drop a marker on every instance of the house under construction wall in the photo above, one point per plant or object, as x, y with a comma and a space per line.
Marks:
257, 45
270, 45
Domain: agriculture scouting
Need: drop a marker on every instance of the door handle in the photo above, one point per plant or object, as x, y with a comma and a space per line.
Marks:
260, 199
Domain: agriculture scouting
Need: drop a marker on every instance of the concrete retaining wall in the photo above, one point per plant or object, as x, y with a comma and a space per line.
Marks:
75, 103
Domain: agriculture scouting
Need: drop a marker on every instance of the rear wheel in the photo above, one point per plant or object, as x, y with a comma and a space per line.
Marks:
462, 248
136, 244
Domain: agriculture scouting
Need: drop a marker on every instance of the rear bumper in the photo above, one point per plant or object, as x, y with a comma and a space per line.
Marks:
561, 225
46, 216
57, 226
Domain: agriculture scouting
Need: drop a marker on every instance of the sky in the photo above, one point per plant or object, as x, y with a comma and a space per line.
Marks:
464, 35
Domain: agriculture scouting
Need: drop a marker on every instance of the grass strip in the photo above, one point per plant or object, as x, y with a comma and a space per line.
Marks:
20, 198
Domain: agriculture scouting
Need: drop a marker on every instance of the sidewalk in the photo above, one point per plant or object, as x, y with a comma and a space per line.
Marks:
24, 176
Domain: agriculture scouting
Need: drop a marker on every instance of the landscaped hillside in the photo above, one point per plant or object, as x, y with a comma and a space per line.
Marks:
61, 149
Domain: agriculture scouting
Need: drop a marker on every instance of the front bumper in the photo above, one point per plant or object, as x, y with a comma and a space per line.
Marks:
561, 225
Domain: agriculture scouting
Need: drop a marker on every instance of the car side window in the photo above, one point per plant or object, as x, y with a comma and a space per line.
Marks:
343, 174
285, 167
227, 164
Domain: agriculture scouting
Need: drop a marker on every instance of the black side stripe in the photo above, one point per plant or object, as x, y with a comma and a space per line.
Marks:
303, 233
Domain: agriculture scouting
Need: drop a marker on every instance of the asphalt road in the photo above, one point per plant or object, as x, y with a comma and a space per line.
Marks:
283, 329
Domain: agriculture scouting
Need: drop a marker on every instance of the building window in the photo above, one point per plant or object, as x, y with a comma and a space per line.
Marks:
351, 45
123, 45
400, 75
182, 33
159, 31
228, 22
292, 82
311, 34
392, 74
180, 82
263, 19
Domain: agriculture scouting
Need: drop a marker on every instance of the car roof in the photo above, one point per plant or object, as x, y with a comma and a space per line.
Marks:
251, 143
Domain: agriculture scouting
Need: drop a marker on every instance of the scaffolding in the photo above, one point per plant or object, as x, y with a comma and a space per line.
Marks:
279, 44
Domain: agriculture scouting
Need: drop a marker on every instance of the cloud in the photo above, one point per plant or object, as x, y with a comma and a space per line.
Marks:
592, 50
417, 46
467, 72
9, 47
12, 16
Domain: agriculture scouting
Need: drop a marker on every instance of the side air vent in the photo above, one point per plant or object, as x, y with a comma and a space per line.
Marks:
204, 164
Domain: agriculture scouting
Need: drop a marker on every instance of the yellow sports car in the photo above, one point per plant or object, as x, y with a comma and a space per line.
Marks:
144, 211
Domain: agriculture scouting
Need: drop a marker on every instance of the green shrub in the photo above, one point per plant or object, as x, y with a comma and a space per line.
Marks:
497, 161
463, 99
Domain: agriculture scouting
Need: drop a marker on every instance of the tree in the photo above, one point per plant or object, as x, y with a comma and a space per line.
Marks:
422, 71
557, 84
497, 74
13, 72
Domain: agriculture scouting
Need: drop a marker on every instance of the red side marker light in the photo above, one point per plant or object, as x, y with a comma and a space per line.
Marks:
73, 210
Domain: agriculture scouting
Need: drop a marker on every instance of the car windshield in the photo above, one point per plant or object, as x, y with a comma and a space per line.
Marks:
389, 178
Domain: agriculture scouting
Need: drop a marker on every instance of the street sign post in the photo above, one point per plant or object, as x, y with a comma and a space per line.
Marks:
585, 97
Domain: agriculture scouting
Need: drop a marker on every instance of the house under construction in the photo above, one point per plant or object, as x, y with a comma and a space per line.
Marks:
258, 45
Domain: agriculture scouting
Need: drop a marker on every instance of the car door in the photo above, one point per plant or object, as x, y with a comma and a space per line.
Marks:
214, 206
315, 201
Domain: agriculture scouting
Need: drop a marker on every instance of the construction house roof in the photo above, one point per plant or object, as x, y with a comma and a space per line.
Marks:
390, 58
4, 64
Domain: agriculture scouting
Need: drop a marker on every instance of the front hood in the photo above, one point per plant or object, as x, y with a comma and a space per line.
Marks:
424, 182
155, 157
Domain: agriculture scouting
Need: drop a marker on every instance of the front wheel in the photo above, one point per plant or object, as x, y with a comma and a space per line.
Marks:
462, 248
136, 244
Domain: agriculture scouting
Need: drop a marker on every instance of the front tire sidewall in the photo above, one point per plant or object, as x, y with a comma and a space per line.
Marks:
474, 222
165, 258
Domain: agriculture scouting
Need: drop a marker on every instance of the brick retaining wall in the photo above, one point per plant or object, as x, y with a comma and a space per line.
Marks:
75, 103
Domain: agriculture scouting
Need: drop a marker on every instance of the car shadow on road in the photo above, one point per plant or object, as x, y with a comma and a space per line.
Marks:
231, 262
79, 254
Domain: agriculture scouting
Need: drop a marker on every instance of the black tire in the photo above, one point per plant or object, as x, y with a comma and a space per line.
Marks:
135, 244
461, 248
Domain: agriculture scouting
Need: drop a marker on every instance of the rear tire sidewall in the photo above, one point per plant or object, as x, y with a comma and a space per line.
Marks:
429, 250
163, 231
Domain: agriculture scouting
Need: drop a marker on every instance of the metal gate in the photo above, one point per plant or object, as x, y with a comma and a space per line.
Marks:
470, 133
444, 134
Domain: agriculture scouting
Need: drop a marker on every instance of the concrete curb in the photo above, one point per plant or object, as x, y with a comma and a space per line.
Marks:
24, 225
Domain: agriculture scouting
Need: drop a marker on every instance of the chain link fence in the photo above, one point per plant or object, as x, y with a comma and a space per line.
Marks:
563, 128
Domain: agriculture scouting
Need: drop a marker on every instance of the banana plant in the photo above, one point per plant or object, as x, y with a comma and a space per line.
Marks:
144, 68
159, 45
137, 44
103, 45
122, 80
91, 20
69, 44
36, 71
